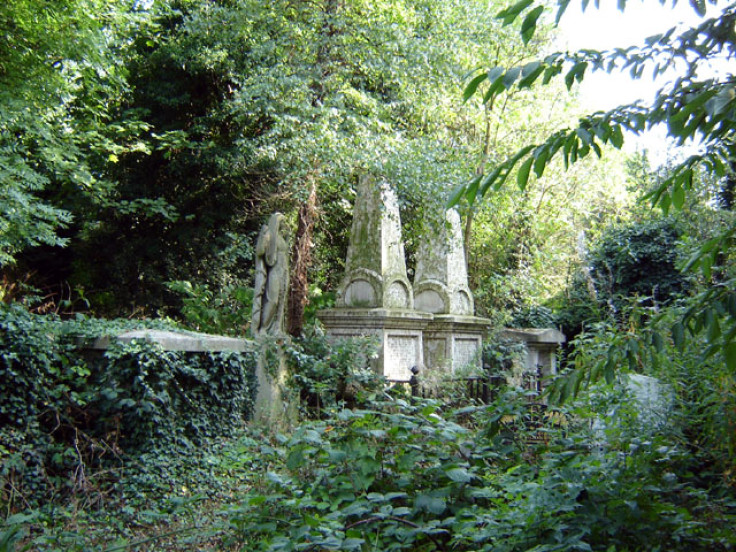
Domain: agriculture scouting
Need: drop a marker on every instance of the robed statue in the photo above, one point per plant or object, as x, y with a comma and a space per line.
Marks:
271, 279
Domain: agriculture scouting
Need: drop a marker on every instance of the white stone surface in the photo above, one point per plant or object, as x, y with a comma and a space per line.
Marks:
375, 269
174, 341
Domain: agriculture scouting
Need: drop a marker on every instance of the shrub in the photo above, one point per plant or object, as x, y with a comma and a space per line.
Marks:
330, 372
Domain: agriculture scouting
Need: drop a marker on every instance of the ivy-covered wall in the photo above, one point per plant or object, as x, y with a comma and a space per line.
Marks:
70, 421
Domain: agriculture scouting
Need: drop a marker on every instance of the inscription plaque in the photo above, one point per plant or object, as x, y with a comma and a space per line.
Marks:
401, 354
465, 352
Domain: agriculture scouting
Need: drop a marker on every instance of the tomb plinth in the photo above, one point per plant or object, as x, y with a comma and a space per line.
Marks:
453, 339
541, 349
399, 333
454, 342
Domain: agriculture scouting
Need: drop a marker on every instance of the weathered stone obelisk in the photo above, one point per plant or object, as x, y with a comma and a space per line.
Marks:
454, 338
375, 297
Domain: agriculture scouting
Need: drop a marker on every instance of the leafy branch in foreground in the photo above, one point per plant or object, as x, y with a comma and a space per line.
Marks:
693, 109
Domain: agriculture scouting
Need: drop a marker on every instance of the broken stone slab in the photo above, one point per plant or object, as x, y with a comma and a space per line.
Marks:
191, 342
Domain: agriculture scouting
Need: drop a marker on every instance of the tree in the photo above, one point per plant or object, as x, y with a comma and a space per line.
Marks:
692, 107
255, 106
60, 78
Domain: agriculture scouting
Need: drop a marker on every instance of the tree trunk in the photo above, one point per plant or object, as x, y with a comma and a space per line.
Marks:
301, 260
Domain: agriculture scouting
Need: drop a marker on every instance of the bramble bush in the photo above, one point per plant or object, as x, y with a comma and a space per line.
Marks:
414, 475
74, 424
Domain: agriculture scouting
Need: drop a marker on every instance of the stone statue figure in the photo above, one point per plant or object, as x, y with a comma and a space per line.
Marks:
272, 278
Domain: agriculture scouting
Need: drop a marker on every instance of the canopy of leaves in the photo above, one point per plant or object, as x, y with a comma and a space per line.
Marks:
693, 107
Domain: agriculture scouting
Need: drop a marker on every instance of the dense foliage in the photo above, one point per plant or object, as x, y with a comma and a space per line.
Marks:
692, 107
143, 143
72, 421
406, 476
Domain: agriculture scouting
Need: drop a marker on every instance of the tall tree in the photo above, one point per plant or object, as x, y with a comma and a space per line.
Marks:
60, 78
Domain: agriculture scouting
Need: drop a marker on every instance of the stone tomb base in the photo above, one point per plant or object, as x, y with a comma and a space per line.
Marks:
412, 338
399, 333
454, 342
541, 350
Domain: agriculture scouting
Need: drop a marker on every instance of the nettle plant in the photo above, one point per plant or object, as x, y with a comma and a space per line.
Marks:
70, 422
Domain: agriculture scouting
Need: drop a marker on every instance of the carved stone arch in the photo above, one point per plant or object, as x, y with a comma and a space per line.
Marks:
432, 296
462, 302
397, 293
363, 290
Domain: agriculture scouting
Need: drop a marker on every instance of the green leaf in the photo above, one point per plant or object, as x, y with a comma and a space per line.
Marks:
699, 7
496, 77
522, 177
431, 504
529, 26
473, 86
678, 197
510, 14
540, 160
530, 73
472, 189
459, 475
658, 342
678, 335
562, 7
458, 193
510, 77
729, 353
617, 136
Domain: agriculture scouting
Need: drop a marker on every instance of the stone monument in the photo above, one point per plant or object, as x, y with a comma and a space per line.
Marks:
267, 320
271, 279
441, 279
454, 338
375, 270
541, 344
375, 297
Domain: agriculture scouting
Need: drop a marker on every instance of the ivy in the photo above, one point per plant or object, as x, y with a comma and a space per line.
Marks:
69, 417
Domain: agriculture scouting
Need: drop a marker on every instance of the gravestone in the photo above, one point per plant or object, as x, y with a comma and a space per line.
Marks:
453, 340
375, 297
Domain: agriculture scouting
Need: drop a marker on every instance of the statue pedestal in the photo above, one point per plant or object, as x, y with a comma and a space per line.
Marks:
453, 342
399, 333
274, 408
